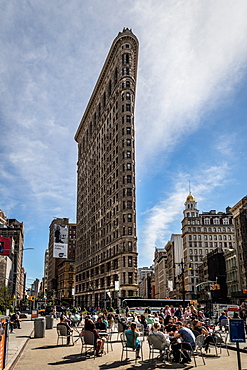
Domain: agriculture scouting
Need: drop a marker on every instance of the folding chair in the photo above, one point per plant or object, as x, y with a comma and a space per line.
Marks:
224, 325
88, 341
156, 346
199, 342
219, 340
189, 349
120, 329
63, 332
140, 327
129, 348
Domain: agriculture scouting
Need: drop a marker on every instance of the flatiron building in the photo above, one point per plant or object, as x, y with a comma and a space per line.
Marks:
106, 252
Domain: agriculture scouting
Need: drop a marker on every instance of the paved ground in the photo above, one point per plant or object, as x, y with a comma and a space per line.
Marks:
43, 353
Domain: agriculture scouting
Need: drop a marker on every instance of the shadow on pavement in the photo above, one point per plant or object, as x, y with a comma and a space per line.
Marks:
70, 359
49, 346
145, 365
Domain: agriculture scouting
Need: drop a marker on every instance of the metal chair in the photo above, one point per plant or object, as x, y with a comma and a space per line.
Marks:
199, 342
190, 349
63, 332
120, 329
140, 327
219, 341
88, 341
224, 325
156, 346
127, 347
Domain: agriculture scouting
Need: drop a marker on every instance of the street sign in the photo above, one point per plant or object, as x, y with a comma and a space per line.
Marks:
236, 327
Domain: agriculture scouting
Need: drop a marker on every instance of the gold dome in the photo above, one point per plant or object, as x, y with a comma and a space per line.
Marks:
190, 198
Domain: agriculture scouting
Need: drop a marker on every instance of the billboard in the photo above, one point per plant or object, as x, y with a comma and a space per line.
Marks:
60, 245
5, 246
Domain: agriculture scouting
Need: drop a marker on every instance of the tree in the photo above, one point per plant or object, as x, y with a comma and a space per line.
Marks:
5, 299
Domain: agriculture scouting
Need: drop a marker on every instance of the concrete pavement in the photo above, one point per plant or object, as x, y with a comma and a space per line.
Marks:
43, 353
18, 341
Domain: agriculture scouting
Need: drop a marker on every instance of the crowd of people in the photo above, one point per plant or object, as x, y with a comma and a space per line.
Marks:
176, 328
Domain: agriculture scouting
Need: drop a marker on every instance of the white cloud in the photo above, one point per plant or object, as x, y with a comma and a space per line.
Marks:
156, 228
192, 57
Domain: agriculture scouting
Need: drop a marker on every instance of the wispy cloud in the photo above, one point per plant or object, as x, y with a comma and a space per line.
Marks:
158, 220
192, 56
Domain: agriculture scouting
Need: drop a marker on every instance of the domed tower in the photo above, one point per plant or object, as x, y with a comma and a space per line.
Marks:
190, 207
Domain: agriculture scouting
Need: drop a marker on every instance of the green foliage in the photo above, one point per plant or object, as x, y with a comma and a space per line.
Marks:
64, 303
11, 309
5, 299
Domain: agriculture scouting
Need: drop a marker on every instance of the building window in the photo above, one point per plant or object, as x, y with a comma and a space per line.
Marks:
128, 142
127, 96
225, 221
130, 246
128, 166
128, 179
129, 230
127, 107
129, 204
130, 276
129, 192
129, 217
128, 154
129, 261
128, 130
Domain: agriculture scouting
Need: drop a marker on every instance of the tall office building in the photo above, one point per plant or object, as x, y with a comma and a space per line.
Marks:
67, 241
202, 233
13, 229
239, 212
106, 256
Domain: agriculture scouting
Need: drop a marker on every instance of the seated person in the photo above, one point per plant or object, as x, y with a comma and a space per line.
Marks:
145, 324
15, 321
121, 321
197, 326
164, 338
223, 316
65, 323
102, 327
170, 328
98, 342
188, 340
132, 335
110, 319
100, 324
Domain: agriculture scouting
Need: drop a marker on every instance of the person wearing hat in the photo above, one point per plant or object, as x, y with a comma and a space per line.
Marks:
187, 340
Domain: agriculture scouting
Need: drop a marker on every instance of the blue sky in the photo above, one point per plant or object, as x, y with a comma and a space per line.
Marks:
190, 113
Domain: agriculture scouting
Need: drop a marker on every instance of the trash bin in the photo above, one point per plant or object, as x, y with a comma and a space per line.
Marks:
39, 327
49, 322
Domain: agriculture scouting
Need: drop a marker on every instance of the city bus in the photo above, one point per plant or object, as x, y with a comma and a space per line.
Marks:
140, 304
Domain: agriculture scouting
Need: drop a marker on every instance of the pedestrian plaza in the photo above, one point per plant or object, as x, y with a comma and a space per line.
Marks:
27, 352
